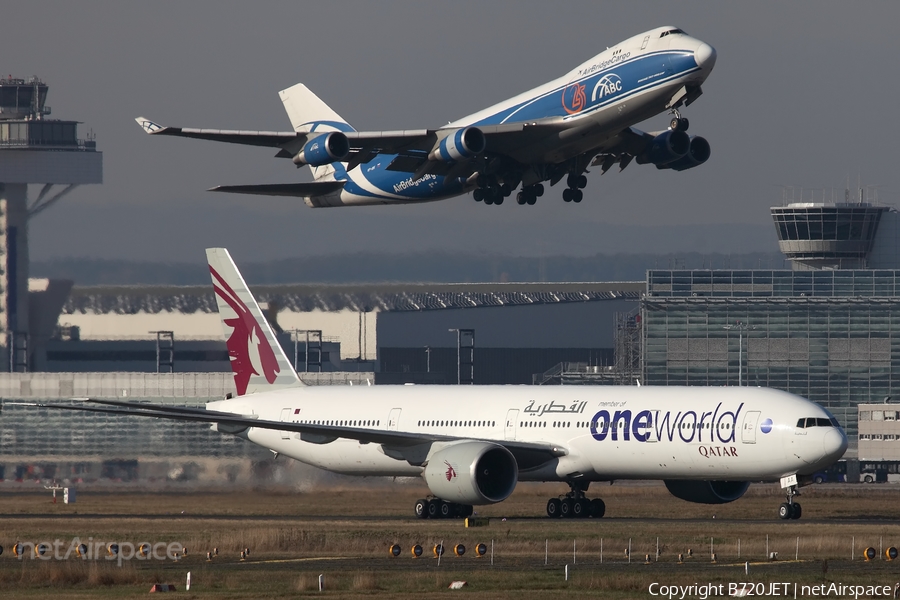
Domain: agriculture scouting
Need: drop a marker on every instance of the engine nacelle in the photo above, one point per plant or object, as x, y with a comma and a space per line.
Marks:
462, 144
324, 149
697, 154
707, 492
472, 473
667, 147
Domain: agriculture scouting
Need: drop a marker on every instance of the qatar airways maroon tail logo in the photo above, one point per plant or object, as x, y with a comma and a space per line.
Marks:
249, 350
451, 472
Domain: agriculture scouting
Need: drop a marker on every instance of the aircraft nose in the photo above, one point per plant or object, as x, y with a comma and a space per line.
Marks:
835, 444
705, 57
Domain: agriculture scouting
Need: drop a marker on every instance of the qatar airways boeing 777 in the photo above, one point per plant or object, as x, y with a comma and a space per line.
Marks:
552, 132
473, 444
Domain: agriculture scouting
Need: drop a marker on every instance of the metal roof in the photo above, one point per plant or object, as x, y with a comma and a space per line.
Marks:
355, 297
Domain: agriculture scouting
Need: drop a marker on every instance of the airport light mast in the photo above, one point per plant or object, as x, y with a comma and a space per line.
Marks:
33, 150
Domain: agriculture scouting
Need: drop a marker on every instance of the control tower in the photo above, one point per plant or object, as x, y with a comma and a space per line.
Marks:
858, 233
34, 149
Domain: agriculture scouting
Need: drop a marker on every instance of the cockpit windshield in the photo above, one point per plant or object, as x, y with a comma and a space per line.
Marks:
817, 422
670, 32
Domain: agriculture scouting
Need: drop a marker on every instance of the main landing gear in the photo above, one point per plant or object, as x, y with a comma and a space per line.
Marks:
530, 194
575, 505
790, 509
435, 508
492, 193
678, 123
575, 184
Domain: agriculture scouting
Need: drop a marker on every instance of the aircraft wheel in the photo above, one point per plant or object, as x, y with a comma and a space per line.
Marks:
565, 509
498, 199
679, 124
422, 509
538, 189
478, 194
582, 181
506, 190
488, 197
598, 508
572, 180
796, 511
446, 509
434, 509
553, 508
784, 511
521, 198
465, 510
577, 196
567, 195
581, 508
532, 199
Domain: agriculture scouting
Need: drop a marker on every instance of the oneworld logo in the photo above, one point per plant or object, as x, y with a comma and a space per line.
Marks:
766, 426
689, 426
607, 86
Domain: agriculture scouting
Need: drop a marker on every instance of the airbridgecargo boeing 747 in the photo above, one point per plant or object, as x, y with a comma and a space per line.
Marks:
553, 132
473, 444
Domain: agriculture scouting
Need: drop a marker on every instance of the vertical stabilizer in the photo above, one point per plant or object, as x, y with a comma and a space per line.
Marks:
308, 112
257, 360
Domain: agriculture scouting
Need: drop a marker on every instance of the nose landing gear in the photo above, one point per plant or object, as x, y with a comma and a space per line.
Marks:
790, 509
678, 123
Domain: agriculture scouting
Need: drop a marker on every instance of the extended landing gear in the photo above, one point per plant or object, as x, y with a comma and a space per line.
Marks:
575, 184
574, 505
530, 194
790, 509
435, 508
678, 123
490, 191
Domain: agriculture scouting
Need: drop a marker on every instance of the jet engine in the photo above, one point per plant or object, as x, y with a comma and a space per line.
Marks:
665, 148
697, 154
707, 492
462, 144
324, 149
472, 473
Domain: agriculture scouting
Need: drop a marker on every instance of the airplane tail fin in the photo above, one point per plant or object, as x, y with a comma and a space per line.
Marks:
308, 112
257, 360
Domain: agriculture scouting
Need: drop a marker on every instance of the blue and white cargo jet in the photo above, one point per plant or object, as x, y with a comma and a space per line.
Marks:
553, 132
472, 444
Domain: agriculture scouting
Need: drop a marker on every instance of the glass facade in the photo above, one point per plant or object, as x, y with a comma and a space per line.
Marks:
830, 336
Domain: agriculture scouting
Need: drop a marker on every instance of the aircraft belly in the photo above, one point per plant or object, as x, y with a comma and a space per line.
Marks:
344, 456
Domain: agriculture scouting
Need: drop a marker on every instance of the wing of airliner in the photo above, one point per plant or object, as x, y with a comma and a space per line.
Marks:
411, 146
527, 454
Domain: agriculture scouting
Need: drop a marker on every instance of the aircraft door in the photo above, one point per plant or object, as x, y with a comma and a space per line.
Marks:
285, 418
394, 419
646, 41
748, 430
510, 430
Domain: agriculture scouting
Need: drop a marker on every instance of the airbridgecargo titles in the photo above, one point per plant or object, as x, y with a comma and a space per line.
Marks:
472, 444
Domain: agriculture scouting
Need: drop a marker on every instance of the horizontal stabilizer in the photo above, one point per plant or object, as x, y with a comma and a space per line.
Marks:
300, 190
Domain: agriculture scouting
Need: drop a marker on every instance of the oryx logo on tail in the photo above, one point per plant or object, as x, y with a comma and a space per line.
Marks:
248, 348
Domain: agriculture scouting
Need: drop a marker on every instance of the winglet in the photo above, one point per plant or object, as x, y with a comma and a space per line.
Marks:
257, 360
148, 125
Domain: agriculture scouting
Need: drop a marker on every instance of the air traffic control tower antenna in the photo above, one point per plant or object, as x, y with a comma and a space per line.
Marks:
33, 150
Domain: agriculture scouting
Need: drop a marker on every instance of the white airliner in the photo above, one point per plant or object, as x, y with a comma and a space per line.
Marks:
472, 444
557, 130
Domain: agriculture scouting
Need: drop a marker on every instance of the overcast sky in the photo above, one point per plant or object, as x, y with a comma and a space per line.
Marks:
803, 94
